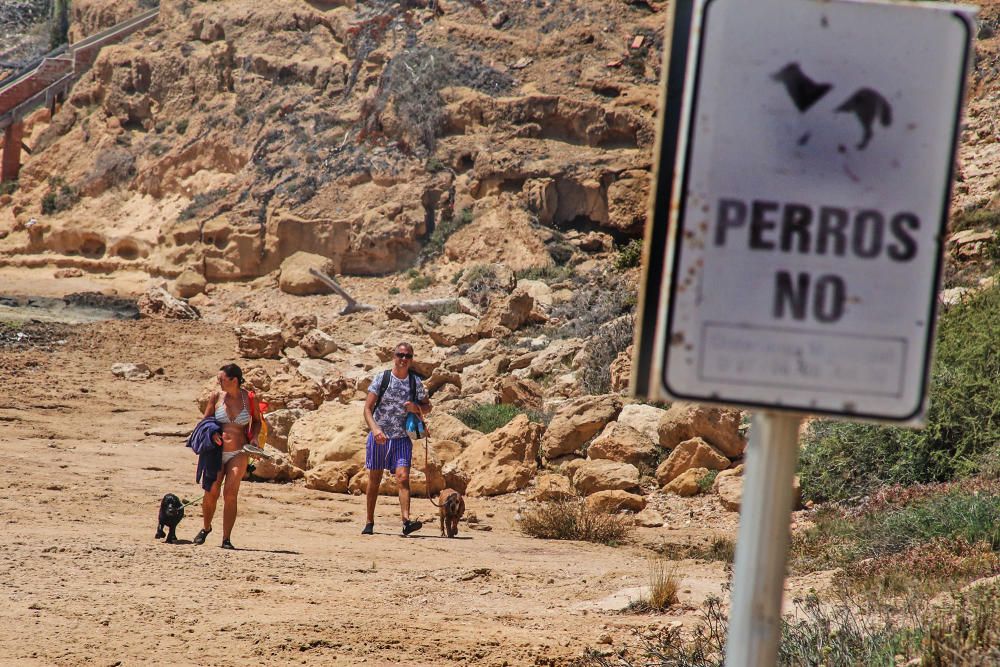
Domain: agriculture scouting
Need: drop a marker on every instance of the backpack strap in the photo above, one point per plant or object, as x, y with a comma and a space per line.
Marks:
413, 387
382, 386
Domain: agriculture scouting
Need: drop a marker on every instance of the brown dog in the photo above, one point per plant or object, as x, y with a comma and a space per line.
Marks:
451, 508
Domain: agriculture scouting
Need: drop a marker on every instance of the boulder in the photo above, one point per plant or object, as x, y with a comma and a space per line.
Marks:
334, 432
521, 392
570, 467
643, 418
507, 314
446, 451
717, 426
455, 329
359, 484
159, 303
442, 426
296, 327
687, 483
649, 518
504, 460
441, 377
278, 468
693, 453
296, 279
318, 343
618, 442
257, 340
314, 370
538, 290
577, 421
131, 371
292, 391
603, 475
621, 370
556, 355
189, 283
612, 502
551, 486
728, 486
279, 423
332, 476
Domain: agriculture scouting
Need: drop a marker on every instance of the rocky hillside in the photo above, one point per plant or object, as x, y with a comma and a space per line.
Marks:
231, 135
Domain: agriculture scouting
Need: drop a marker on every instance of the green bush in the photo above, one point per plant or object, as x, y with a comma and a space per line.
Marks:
488, 418
935, 537
200, 201
393, 290
181, 126
841, 460
602, 348
550, 273
60, 196
629, 255
8, 187
420, 282
976, 217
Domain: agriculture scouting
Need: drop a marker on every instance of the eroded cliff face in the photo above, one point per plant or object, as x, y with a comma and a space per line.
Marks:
231, 135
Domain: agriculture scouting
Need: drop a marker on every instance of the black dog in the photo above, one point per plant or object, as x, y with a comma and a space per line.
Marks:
171, 513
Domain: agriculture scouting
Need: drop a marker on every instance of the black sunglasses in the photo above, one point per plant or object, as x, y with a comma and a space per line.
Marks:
403, 355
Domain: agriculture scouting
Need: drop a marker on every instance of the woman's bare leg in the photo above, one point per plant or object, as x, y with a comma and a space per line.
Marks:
233, 471
209, 502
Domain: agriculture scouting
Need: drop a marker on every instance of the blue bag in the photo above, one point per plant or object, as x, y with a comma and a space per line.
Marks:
415, 425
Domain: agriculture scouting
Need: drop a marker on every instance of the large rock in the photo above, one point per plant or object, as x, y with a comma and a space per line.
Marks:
549, 360
332, 476
649, 518
159, 303
292, 391
257, 340
296, 279
728, 486
318, 343
717, 426
334, 432
509, 313
603, 475
550, 486
621, 370
643, 418
455, 329
504, 460
577, 421
619, 442
612, 502
521, 392
189, 284
693, 453
279, 423
442, 426
687, 484
278, 468
294, 329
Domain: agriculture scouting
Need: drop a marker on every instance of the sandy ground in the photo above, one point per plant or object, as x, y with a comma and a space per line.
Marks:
86, 583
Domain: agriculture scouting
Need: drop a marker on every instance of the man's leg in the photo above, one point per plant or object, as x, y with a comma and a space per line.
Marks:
371, 494
403, 480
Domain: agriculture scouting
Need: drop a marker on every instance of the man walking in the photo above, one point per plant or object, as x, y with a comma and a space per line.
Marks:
392, 394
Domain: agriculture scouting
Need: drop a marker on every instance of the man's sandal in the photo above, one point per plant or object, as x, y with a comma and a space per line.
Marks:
369, 529
200, 537
411, 526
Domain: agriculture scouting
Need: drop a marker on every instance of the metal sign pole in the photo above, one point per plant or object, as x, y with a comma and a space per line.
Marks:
762, 545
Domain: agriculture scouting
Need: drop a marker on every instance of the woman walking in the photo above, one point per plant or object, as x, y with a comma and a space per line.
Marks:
239, 415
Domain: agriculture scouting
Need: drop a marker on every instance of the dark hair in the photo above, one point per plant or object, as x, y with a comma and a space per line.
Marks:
233, 371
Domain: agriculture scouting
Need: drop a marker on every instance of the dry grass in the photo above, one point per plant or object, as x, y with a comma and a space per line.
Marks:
664, 583
573, 520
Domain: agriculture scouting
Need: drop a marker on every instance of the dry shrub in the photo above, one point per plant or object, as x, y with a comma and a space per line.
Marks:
573, 520
664, 584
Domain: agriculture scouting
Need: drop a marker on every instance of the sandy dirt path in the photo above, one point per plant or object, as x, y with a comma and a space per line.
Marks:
86, 583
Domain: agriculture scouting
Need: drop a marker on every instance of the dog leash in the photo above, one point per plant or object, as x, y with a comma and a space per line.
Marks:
427, 458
